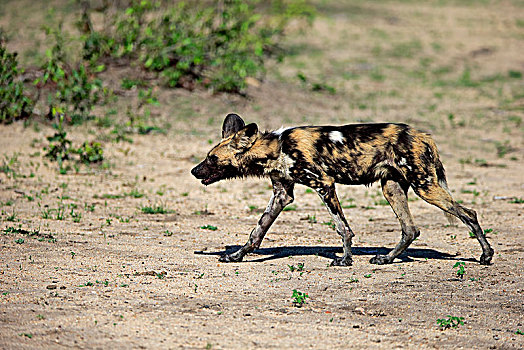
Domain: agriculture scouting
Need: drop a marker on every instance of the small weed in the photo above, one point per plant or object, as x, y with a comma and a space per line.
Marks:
382, 202
209, 227
134, 193
290, 208
28, 335
11, 217
299, 267
473, 192
158, 209
40, 317
490, 230
312, 219
503, 148
368, 275
519, 332
450, 322
517, 200
20, 241
460, 265
331, 224
299, 298
353, 280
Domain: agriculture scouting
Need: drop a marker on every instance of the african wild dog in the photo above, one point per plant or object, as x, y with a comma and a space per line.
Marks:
320, 156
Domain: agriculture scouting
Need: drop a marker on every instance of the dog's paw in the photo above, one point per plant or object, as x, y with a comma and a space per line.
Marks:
485, 259
380, 260
341, 262
230, 258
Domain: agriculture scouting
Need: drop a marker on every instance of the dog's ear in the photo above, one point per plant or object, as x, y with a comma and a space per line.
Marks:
246, 136
232, 124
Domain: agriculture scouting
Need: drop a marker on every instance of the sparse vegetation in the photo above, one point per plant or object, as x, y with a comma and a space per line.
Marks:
461, 268
14, 103
139, 92
299, 298
450, 322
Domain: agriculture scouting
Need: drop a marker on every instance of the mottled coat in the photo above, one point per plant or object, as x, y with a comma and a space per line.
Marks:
320, 156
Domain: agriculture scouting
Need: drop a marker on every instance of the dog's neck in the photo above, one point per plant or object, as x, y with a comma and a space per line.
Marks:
257, 161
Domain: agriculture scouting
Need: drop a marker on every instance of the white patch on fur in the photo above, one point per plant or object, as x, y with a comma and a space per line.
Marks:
336, 136
381, 170
279, 132
312, 173
282, 164
404, 162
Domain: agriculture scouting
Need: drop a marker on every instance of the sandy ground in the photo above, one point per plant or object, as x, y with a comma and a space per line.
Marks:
82, 266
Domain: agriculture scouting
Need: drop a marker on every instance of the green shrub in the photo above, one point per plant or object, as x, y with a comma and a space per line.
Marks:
74, 90
217, 45
13, 103
91, 152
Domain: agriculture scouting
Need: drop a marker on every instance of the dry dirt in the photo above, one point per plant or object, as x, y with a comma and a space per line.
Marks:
82, 266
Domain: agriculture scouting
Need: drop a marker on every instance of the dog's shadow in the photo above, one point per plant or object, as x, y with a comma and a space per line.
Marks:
329, 253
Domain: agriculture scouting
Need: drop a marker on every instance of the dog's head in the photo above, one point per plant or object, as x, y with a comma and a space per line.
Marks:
223, 162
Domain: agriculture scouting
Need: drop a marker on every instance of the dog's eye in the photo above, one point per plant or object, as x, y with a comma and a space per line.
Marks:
212, 158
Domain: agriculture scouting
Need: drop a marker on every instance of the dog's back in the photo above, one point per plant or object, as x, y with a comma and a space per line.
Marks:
363, 153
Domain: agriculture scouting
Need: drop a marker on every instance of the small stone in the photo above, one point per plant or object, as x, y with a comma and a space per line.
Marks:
51, 286
360, 310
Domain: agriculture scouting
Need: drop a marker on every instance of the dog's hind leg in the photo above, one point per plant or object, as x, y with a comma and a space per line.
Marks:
282, 196
435, 194
395, 194
329, 197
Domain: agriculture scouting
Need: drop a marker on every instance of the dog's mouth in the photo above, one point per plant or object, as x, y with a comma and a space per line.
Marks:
212, 179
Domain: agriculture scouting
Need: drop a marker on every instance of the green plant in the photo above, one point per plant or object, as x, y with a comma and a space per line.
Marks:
517, 200
450, 322
217, 44
299, 298
209, 227
14, 104
291, 207
90, 152
155, 209
8, 167
299, 267
59, 148
460, 266
331, 224
75, 91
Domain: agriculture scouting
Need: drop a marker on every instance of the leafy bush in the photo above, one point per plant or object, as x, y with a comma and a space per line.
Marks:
73, 90
13, 103
217, 45
91, 152
60, 147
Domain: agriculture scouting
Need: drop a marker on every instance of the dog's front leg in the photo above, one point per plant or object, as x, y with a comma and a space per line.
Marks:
329, 197
282, 196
